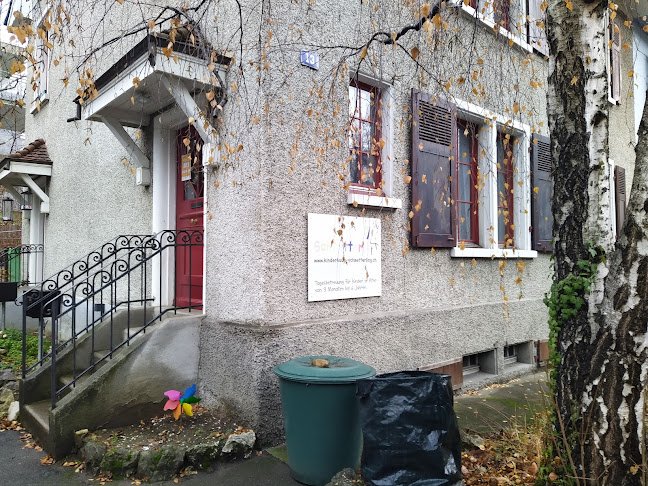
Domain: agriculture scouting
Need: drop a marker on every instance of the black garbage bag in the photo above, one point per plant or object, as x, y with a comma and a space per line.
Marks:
410, 431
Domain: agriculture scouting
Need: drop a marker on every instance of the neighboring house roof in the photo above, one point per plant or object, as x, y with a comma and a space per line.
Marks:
35, 152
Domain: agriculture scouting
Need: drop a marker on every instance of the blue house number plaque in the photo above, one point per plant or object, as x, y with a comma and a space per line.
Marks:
310, 59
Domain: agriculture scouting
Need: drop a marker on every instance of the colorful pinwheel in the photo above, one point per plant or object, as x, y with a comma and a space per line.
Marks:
182, 403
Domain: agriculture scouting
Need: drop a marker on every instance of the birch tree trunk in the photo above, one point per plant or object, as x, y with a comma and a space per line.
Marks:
602, 370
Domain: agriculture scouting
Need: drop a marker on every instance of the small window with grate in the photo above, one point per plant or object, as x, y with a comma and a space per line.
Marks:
470, 364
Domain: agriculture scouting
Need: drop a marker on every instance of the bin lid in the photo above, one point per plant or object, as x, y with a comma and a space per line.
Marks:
323, 369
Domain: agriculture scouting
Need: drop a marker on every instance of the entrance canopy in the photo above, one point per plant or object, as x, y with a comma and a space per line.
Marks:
157, 78
29, 167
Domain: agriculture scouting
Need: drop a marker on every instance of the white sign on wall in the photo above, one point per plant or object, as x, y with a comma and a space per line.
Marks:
344, 257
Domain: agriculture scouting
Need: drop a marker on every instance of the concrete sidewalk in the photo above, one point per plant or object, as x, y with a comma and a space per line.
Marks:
498, 407
489, 410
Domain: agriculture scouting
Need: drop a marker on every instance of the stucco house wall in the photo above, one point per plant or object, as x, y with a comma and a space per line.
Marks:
433, 307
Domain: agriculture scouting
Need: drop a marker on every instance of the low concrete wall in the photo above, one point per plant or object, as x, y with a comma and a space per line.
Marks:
131, 386
237, 361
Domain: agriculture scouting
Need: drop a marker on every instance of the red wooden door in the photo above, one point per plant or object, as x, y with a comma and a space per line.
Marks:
189, 219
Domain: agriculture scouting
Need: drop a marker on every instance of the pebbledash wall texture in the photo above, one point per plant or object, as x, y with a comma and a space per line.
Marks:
291, 125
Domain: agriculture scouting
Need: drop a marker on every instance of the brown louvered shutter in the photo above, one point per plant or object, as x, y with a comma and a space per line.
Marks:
615, 61
542, 217
620, 197
537, 34
433, 166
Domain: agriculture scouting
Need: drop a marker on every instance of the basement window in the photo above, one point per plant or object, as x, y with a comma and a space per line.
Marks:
470, 364
510, 355
519, 353
479, 366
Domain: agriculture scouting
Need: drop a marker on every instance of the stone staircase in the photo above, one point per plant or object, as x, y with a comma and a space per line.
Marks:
117, 387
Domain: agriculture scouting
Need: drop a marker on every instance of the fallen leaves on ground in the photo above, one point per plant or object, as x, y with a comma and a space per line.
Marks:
47, 460
507, 459
7, 425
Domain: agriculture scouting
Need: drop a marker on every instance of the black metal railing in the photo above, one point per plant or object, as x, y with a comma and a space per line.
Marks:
22, 264
113, 286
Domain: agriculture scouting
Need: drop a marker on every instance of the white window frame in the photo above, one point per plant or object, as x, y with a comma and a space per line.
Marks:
608, 52
486, 15
488, 197
365, 197
43, 57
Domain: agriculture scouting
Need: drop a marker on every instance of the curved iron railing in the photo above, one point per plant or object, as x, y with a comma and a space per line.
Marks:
22, 264
114, 278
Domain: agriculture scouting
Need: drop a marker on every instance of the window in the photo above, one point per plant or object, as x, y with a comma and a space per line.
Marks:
484, 362
502, 10
613, 60
537, 37
505, 16
365, 108
470, 364
471, 180
521, 21
369, 131
505, 190
41, 62
467, 171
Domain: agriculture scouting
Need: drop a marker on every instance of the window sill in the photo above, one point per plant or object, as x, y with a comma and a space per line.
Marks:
44, 99
491, 253
373, 201
516, 39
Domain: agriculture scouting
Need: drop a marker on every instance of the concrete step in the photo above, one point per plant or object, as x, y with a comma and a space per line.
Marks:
35, 417
68, 378
133, 331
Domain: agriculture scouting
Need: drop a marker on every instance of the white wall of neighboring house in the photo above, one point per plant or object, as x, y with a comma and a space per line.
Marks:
640, 55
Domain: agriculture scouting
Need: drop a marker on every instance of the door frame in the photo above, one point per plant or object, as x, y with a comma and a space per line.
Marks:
164, 175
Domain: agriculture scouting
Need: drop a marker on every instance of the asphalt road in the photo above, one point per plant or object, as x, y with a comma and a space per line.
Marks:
22, 467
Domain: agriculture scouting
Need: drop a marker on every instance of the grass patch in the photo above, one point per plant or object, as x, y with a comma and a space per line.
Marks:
11, 342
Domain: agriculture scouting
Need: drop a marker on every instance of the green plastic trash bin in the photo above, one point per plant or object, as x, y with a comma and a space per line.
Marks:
320, 410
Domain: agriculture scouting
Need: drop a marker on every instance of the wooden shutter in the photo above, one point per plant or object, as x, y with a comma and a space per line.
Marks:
434, 125
542, 191
615, 61
620, 197
537, 34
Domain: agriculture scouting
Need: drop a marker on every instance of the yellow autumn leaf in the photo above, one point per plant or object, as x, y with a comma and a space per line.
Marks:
17, 67
425, 10
136, 82
631, 73
573, 81
437, 20
516, 108
536, 190
363, 54
407, 179
415, 52
411, 214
